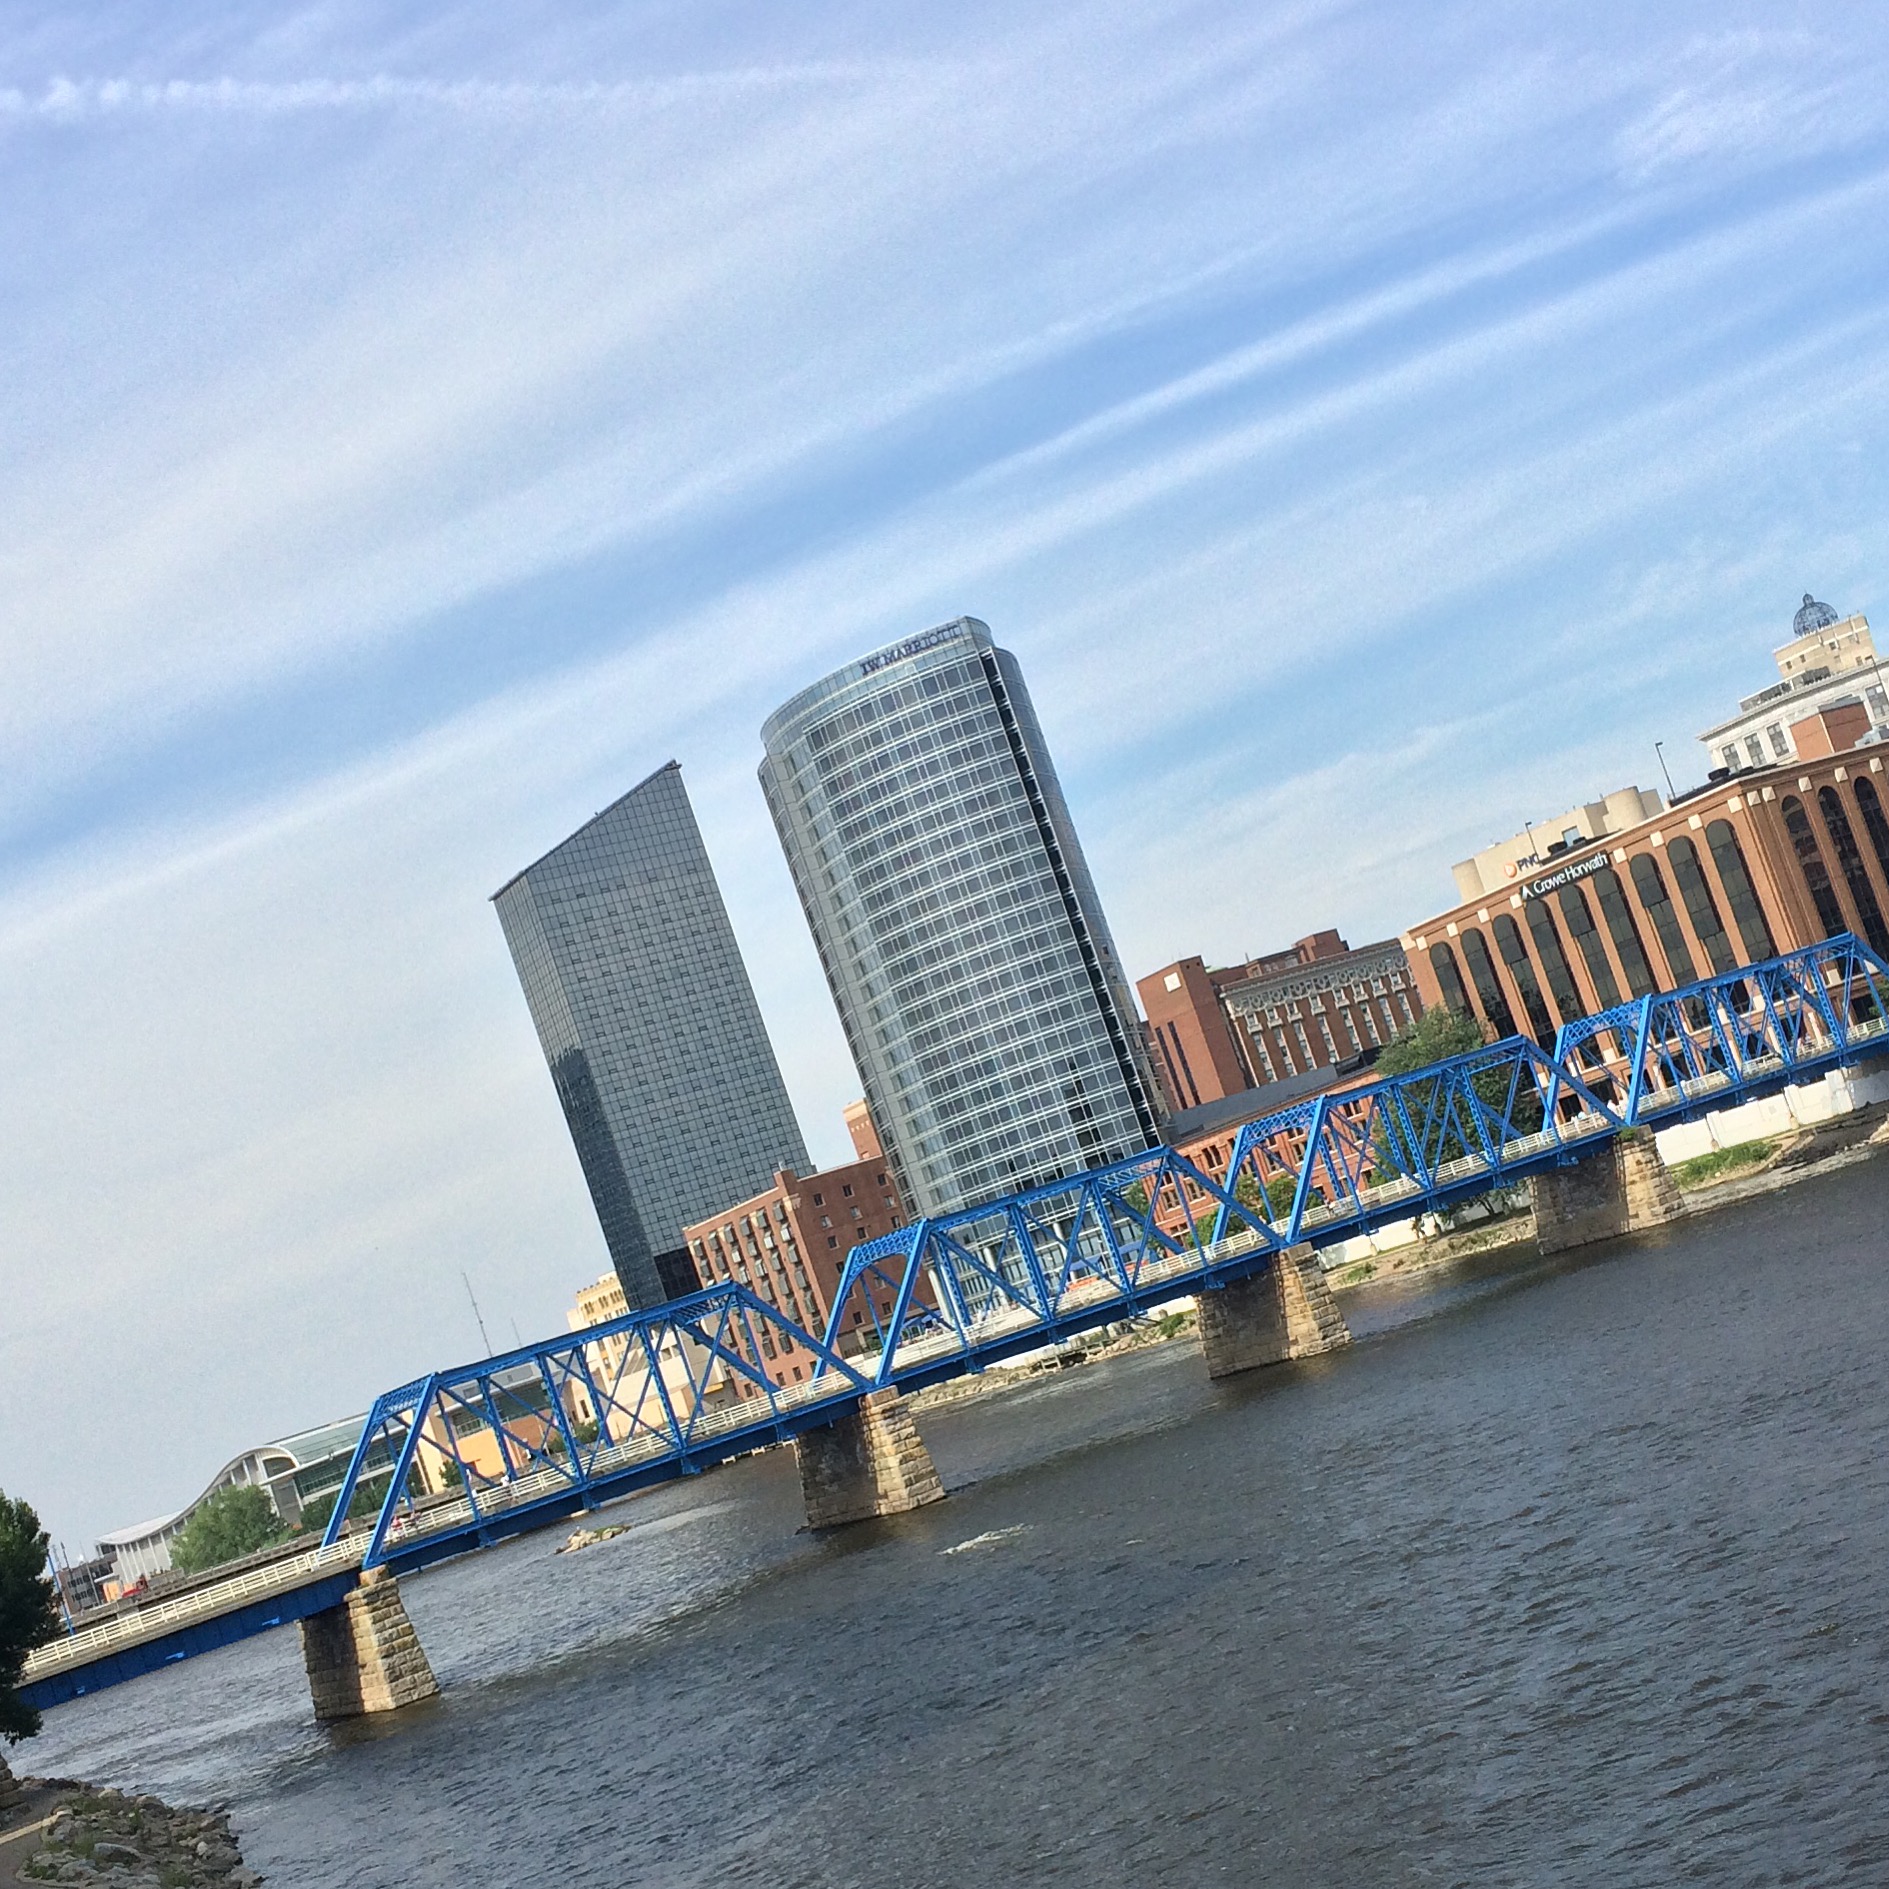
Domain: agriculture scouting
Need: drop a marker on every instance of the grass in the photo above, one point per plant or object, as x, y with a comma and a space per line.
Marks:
1722, 1161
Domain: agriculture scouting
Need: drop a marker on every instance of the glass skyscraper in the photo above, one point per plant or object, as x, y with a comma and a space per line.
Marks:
956, 921
649, 1023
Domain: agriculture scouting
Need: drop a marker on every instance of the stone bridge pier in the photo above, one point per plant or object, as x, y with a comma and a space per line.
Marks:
1622, 1188
869, 1462
364, 1655
1285, 1312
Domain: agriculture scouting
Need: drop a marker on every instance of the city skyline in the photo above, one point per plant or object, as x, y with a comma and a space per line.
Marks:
407, 425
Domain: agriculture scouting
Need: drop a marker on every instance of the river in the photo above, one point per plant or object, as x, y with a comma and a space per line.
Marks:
1567, 1572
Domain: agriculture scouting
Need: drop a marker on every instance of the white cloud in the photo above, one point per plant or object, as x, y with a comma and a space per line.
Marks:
65, 100
1298, 395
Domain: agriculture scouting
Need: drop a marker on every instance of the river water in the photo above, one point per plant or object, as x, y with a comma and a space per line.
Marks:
1567, 1572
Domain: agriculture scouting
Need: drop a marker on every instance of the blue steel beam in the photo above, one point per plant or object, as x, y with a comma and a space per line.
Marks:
202, 1636
725, 1371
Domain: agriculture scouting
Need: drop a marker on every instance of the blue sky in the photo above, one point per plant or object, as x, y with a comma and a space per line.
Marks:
1371, 426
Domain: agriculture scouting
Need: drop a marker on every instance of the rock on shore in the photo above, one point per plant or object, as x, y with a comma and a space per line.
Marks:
107, 1837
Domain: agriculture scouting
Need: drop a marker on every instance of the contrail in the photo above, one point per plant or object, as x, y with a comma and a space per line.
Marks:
64, 98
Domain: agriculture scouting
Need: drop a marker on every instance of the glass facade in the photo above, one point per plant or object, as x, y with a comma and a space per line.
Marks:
1625, 933
1810, 862
1509, 941
956, 921
1701, 908
648, 1021
1586, 935
1754, 930
1488, 986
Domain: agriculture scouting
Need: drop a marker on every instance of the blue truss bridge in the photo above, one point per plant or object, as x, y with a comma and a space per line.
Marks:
463, 1458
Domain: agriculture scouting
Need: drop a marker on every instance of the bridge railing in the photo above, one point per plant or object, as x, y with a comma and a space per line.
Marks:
462, 1450
1354, 1159
154, 1619
1664, 1054
469, 1453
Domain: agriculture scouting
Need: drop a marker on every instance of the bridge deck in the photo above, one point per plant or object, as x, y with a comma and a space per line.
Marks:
671, 1392
170, 1630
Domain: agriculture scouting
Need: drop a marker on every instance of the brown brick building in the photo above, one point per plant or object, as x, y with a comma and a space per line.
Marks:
1214, 1034
1752, 865
790, 1243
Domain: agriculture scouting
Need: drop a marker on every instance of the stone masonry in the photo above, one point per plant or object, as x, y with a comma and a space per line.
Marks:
1285, 1312
1623, 1188
870, 1462
364, 1655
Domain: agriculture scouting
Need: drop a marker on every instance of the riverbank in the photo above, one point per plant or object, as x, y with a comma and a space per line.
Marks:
59, 1830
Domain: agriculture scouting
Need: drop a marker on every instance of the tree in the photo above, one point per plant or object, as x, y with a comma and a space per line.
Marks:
1435, 1037
230, 1524
369, 1494
28, 1616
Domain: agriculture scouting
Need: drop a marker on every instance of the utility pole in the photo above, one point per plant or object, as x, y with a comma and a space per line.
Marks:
1659, 748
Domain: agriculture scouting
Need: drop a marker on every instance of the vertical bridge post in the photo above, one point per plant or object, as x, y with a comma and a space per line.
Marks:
364, 1655
1623, 1188
1285, 1312
869, 1462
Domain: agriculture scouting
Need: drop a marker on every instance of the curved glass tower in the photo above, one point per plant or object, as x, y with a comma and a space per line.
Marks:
956, 921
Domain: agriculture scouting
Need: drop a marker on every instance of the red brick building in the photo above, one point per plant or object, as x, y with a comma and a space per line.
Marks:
1214, 1034
1752, 865
864, 1132
790, 1243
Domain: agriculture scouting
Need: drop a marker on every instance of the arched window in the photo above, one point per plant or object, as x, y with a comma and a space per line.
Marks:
1870, 804
1855, 874
1554, 962
1488, 986
1707, 926
1509, 941
1810, 863
1625, 933
1740, 893
1651, 887
1449, 980
1588, 941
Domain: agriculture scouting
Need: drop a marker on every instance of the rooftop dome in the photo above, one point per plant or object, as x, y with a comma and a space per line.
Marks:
1813, 616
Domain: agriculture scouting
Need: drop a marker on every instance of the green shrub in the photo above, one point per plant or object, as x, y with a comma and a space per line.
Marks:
1721, 1161
226, 1526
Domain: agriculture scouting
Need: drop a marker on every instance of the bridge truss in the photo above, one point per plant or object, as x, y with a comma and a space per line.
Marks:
463, 1457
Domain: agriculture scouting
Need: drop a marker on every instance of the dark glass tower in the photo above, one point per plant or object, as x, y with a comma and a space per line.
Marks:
649, 1023
957, 923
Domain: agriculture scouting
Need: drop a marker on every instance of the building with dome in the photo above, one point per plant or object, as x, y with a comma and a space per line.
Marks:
1787, 843
1830, 694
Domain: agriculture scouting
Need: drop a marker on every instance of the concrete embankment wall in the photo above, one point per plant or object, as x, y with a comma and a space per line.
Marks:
1838, 1093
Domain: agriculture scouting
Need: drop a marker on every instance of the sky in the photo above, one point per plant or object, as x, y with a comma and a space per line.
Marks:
1371, 426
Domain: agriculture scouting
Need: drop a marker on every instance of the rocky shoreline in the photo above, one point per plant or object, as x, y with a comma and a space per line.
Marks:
56, 1830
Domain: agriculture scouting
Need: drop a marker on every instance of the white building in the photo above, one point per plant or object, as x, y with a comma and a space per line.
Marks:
291, 1472
1497, 868
1829, 662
